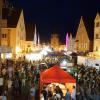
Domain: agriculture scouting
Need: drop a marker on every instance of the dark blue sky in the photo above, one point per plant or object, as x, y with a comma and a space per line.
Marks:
60, 16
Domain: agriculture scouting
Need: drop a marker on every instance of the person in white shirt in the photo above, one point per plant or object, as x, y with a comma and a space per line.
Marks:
32, 92
10, 72
73, 95
41, 96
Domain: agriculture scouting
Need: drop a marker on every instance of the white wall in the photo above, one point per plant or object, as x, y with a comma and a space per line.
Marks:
90, 62
81, 60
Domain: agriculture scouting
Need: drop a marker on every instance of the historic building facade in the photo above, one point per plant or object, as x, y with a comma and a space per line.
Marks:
71, 46
96, 48
82, 40
55, 42
20, 33
13, 33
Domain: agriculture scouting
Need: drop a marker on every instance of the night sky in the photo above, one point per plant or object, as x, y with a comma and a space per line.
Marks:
57, 16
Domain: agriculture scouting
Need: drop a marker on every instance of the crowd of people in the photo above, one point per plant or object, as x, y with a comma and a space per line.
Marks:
88, 83
57, 94
15, 77
22, 78
18, 77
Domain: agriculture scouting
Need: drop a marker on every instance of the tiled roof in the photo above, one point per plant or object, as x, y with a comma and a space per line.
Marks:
12, 16
89, 25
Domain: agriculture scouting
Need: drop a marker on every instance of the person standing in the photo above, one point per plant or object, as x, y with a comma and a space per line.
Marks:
10, 72
50, 94
16, 86
41, 96
73, 95
44, 92
32, 92
59, 91
9, 83
4, 96
68, 95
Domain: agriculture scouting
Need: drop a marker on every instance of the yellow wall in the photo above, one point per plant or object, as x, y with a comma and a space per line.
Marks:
4, 40
62, 47
21, 33
10, 39
15, 37
96, 48
82, 39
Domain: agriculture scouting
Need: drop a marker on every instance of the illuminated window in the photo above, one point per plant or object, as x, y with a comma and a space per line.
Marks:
4, 35
97, 24
86, 45
97, 36
82, 45
96, 48
79, 45
28, 46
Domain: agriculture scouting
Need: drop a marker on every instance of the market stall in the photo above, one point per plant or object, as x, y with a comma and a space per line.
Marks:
57, 75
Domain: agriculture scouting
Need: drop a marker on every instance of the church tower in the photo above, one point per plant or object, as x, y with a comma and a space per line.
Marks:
96, 48
35, 36
55, 42
36, 39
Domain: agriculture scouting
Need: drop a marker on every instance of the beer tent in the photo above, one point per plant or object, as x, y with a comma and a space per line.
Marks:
55, 75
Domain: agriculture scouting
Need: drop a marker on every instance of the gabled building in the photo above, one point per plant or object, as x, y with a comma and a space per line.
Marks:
20, 33
71, 46
84, 39
56, 44
96, 48
13, 33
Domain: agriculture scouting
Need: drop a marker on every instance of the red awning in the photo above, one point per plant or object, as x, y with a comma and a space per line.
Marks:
56, 75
